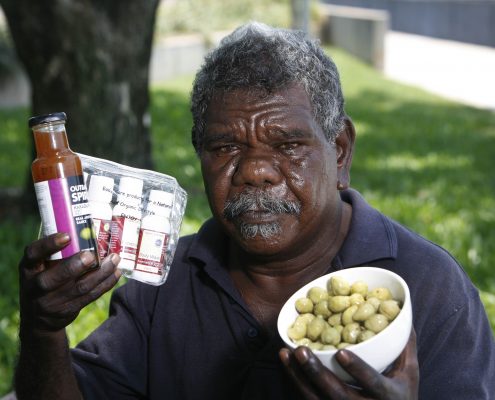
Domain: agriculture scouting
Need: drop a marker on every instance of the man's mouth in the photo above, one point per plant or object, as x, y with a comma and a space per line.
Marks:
257, 216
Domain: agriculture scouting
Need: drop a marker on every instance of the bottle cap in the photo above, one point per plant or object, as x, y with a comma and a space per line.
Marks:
130, 190
100, 188
160, 202
46, 119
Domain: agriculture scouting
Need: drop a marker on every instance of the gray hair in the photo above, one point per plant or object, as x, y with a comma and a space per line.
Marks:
261, 58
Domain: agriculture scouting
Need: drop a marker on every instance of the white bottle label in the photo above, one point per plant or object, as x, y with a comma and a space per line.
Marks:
151, 255
102, 234
124, 240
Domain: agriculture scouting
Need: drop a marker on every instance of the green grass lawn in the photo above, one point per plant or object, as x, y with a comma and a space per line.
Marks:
422, 160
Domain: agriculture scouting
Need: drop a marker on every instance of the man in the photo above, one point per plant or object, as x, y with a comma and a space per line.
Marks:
275, 148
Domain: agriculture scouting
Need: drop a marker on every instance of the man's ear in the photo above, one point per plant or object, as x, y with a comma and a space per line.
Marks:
345, 148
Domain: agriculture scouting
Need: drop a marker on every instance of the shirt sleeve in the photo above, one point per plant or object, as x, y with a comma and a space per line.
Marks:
455, 343
460, 360
112, 362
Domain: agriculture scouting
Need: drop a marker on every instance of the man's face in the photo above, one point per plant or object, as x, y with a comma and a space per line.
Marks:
269, 172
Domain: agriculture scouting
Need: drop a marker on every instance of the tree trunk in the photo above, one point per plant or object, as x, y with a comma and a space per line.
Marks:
90, 58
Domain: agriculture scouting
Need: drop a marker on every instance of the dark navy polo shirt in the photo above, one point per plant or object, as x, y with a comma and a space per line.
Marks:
194, 337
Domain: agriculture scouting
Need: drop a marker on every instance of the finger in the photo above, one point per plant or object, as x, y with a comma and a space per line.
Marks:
88, 282
67, 313
94, 285
408, 359
321, 377
366, 376
41, 249
65, 271
293, 369
69, 299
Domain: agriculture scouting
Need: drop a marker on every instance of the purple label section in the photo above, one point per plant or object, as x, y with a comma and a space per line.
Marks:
61, 203
64, 207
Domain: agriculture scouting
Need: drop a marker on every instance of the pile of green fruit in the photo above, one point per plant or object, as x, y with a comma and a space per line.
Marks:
342, 314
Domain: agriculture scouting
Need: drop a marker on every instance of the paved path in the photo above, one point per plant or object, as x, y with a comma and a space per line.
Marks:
459, 71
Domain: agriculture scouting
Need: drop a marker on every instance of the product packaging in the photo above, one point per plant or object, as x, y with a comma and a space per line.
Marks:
137, 214
59, 184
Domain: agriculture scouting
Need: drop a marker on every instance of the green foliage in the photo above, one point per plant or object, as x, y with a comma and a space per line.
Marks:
422, 160
173, 152
206, 16
15, 140
13, 237
488, 300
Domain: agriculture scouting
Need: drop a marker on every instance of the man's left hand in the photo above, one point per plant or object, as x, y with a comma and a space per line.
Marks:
315, 381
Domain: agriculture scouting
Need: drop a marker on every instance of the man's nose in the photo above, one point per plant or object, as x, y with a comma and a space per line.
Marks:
256, 170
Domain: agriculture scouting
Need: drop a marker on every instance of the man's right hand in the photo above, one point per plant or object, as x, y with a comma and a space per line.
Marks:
52, 296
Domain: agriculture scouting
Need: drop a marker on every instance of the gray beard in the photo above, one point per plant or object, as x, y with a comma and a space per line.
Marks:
258, 201
266, 231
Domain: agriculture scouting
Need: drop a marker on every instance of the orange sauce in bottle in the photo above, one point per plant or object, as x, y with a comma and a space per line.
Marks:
59, 185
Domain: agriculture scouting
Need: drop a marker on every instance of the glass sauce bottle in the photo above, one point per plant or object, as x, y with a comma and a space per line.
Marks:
59, 185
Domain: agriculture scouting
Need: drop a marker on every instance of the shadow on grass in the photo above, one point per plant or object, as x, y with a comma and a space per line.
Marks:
430, 166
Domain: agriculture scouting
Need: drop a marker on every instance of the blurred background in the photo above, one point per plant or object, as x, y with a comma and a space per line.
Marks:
417, 77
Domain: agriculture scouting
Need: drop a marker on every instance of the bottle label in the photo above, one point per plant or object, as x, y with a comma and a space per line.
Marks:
151, 254
64, 207
102, 233
124, 239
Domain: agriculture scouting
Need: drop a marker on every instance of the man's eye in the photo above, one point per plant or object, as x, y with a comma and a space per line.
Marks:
225, 149
288, 147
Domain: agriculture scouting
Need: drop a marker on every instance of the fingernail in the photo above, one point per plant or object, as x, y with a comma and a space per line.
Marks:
87, 258
61, 239
343, 357
302, 355
115, 259
284, 356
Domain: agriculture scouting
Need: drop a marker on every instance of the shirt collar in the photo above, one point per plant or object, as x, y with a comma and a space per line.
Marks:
209, 244
209, 251
371, 235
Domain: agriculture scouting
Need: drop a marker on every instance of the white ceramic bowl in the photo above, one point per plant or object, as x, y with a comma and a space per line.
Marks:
380, 350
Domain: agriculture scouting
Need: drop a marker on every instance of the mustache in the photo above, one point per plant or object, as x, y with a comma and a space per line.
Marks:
259, 201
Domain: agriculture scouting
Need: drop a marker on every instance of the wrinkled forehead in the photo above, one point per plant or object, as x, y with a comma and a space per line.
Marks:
254, 94
286, 112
